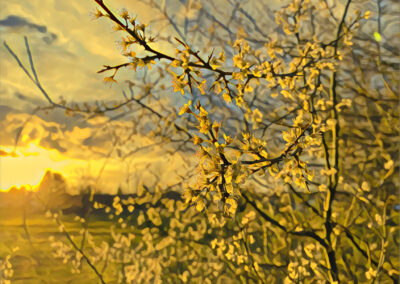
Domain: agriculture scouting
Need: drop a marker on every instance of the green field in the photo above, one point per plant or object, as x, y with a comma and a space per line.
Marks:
33, 257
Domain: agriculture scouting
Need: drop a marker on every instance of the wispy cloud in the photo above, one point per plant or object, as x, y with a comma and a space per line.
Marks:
67, 67
85, 154
13, 21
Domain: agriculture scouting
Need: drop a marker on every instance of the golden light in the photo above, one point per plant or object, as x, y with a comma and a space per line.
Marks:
25, 166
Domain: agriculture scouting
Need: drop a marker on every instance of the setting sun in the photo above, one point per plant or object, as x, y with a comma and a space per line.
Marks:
27, 165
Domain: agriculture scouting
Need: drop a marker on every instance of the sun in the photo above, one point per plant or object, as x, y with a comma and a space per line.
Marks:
25, 166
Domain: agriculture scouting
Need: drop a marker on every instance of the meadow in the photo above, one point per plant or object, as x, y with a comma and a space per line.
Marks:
32, 257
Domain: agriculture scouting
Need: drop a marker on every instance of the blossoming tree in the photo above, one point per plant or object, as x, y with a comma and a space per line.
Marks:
294, 118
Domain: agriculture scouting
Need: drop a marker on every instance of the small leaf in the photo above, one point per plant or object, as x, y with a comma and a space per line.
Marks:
377, 36
227, 98
200, 205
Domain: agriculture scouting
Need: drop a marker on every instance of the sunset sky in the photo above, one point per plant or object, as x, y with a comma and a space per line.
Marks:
68, 48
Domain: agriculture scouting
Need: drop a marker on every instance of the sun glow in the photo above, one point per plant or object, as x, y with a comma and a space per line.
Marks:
25, 166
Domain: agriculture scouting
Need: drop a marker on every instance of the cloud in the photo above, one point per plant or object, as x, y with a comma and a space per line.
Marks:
31, 100
4, 110
13, 21
7, 154
67, 68
16, 21
83, 147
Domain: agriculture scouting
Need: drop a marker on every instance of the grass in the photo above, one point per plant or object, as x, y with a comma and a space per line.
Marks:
31, 253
